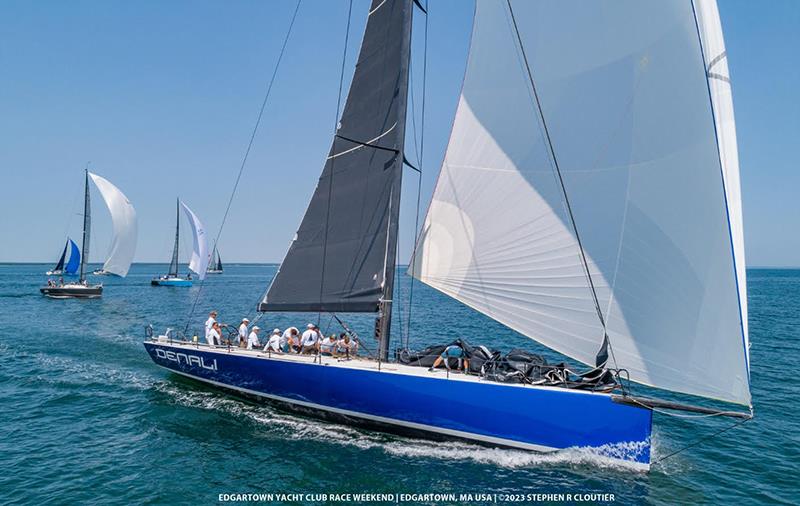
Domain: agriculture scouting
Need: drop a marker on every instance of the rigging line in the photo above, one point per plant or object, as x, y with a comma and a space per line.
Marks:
333, 159
249, 147
561, 180
702, 440
419, 162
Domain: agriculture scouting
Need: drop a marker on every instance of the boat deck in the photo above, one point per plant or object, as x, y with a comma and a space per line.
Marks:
362, 363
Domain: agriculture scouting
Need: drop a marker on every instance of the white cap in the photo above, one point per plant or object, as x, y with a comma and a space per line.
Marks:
256, 327
245, 320
310, 326
276, 331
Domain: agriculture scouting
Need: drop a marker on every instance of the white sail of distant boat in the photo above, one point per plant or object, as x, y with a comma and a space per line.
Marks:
123, 218
592, 189
200, 257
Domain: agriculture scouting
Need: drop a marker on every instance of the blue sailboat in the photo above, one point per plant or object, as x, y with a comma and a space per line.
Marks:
589, 200
74, 260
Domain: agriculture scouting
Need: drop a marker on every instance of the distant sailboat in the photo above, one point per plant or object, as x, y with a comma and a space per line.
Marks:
215, 267
199, 260
72, 264
123, 217
79, 289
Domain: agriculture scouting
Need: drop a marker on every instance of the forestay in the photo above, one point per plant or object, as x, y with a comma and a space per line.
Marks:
654, 193
342, 257
199, 262
123, 218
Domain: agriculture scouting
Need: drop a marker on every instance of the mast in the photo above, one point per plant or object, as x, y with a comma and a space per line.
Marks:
87, 224
173, 265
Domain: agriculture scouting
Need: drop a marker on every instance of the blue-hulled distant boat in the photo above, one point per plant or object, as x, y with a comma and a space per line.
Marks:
589, 199
199, 260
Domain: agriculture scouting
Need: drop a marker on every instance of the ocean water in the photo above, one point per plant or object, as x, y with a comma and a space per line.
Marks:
86, 417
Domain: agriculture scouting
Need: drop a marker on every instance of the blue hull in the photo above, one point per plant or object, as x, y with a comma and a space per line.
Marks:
533, 418
171, 282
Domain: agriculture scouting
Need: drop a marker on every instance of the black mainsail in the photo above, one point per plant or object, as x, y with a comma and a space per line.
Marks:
343, 256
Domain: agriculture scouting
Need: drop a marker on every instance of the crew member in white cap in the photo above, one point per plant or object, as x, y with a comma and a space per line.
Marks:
310, 339
242, 338
274, 343
252, 340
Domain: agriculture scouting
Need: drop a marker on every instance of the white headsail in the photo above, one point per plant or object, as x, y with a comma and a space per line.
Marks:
200, 256
123, 218
627, 131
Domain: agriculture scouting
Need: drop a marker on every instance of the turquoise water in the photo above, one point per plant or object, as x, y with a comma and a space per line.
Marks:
87, 418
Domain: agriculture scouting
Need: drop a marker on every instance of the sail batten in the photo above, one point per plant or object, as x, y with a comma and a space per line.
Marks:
338, 259
624, 88
123, 218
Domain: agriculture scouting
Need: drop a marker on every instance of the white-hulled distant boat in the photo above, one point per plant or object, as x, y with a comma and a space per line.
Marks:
80, 289
199, 261
589, 199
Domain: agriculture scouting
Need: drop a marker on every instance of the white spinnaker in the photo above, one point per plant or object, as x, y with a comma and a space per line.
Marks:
624, 95
123, 219
200, 257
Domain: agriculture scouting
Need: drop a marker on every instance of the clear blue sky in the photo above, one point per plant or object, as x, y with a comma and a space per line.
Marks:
161, 98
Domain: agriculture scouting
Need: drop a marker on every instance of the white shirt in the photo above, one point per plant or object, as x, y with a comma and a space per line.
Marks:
288, 337
252, 341
243, 332
212, 336
209, 324
310, 337
274, 343
327, 345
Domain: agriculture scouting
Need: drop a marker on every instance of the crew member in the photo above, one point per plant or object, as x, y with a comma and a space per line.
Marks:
452, 351
274, 343
252, 339
291, 340
242, 338
328, 345
212, 319
310, 339
214, 335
